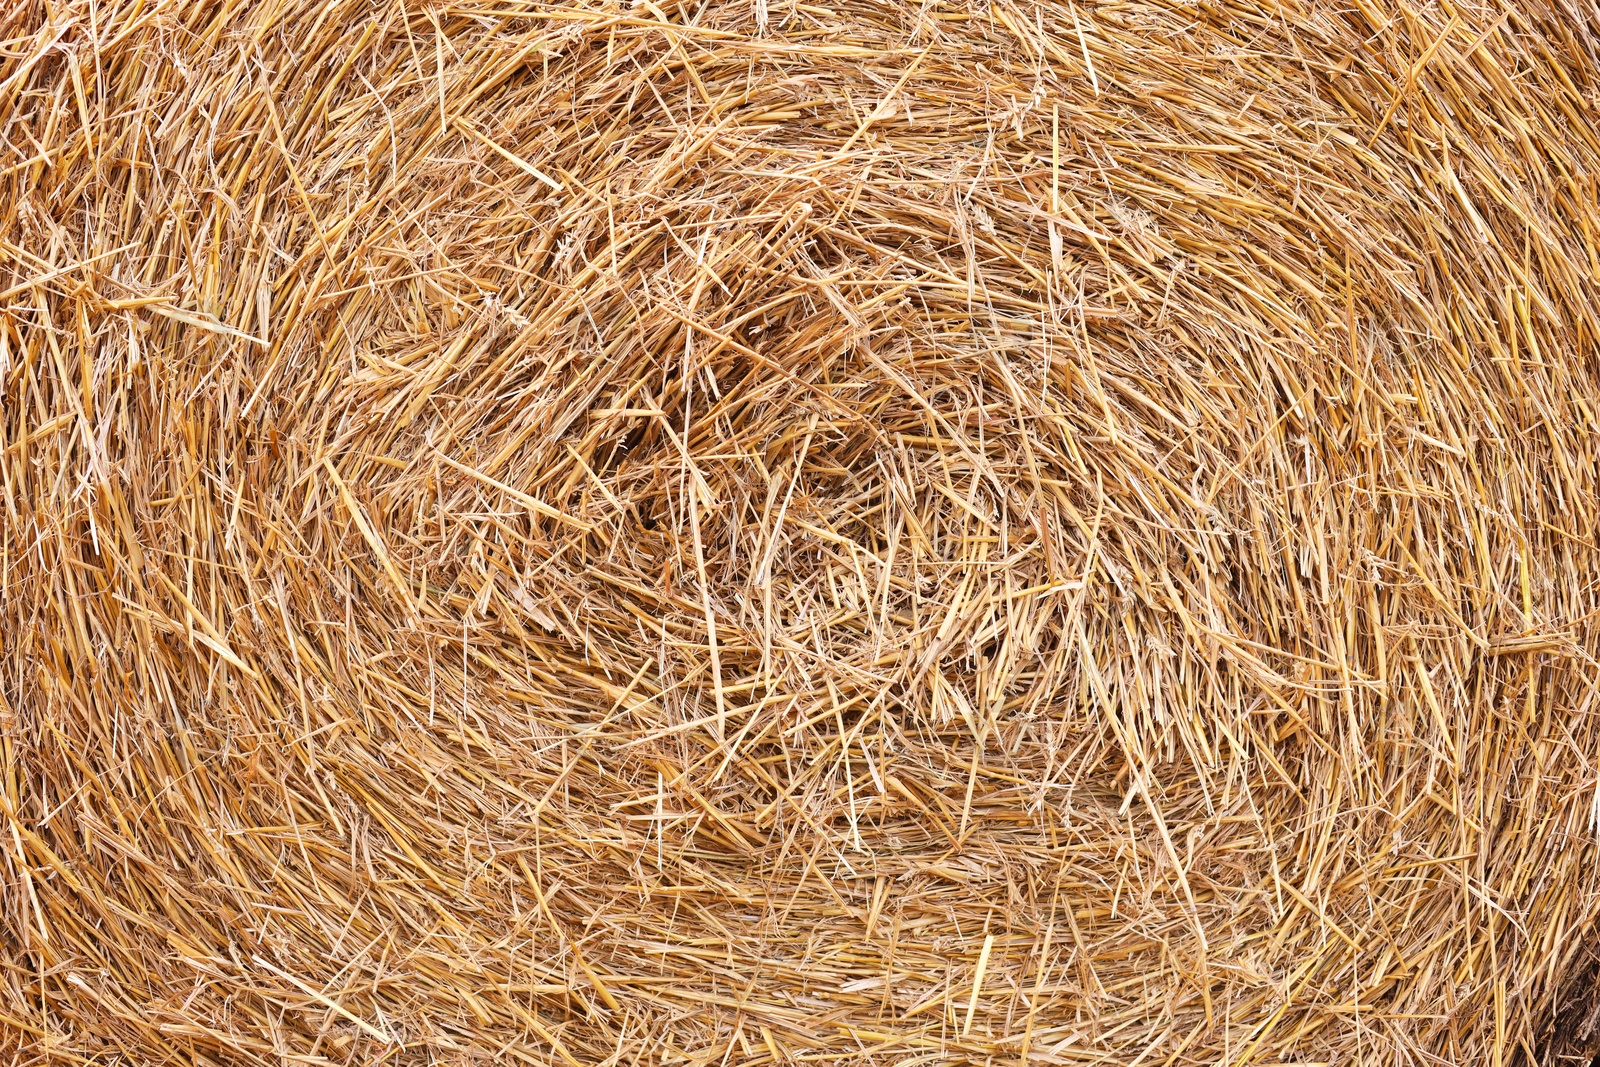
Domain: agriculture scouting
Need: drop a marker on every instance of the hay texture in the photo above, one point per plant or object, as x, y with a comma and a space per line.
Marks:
770, 532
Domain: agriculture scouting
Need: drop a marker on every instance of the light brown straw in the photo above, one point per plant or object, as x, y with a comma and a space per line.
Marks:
783, 532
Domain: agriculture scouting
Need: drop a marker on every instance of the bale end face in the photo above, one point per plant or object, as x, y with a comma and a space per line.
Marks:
667, 534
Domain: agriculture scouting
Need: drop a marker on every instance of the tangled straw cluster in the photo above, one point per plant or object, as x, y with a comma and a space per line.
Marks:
726, 533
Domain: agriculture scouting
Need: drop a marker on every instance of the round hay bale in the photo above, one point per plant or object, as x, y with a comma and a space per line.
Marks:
733, 533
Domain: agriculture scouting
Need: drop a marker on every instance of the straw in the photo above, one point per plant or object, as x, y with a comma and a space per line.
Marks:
784, 532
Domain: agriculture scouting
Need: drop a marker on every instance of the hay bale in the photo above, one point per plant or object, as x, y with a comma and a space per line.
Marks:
771, 532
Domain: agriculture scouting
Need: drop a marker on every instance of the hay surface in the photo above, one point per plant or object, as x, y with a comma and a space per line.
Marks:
772, 532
